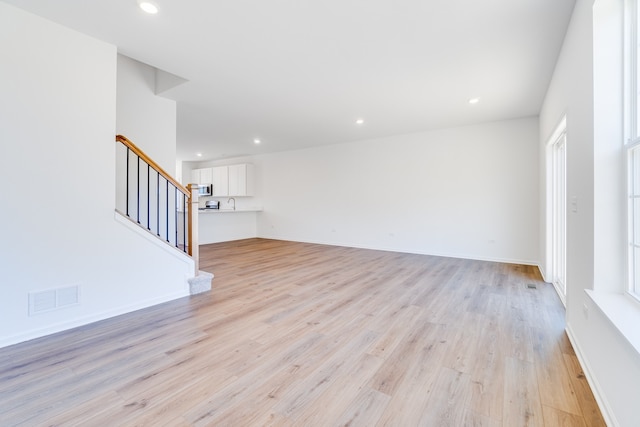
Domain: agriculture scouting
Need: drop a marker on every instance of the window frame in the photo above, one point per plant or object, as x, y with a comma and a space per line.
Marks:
632, 145
632, 149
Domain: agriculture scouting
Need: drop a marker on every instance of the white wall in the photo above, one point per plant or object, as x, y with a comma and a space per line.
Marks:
148, 120
57, 128
469, 192
594, 245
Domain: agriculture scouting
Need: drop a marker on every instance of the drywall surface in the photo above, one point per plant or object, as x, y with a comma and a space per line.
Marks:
469, 192
57, 127
148, 120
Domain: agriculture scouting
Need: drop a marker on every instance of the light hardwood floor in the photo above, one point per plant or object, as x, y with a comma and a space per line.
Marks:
296, 334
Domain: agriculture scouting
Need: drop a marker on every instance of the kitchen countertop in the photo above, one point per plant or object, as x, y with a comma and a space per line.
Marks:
208, 211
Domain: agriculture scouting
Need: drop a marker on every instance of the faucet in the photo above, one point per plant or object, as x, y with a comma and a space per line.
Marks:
234, 202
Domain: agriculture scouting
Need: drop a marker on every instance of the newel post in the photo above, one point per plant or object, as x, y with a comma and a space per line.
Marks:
193, 227
201, 281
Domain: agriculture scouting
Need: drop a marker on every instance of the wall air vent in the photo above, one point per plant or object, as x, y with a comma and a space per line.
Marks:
53, 299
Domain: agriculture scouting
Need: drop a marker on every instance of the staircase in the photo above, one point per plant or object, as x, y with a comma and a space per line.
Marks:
155, 201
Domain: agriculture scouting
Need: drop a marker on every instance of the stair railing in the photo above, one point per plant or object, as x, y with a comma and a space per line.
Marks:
149, 196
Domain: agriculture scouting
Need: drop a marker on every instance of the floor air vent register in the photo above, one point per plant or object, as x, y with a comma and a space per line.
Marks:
53, 299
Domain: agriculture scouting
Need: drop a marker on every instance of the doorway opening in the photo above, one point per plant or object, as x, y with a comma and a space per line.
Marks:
557, 202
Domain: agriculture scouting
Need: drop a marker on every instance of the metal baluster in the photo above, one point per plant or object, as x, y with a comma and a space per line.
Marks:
148, 196
175, 212
127, 191
184, 221
157, 203
184, 242
138, 188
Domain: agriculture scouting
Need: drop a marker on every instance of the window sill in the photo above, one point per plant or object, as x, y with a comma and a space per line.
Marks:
622, 311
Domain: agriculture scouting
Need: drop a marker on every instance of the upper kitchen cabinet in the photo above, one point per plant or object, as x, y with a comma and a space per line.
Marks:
241, 180
220, 181
231, 181
202, 176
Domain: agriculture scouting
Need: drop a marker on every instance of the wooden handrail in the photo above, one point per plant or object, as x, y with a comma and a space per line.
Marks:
190, 201
154, 165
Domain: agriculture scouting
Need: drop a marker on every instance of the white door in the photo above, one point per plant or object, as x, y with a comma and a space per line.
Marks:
559, 214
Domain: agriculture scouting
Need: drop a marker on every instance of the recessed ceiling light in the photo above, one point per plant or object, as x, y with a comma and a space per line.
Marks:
198, 154
149, 7
360, 121
256, 141
474, 100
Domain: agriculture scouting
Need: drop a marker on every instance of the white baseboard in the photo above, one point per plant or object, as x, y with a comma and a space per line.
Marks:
604, 406
411, 251
543, 273
77, 322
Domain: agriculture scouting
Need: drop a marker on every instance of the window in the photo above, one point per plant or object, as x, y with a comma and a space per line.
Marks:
632, 146
633, 155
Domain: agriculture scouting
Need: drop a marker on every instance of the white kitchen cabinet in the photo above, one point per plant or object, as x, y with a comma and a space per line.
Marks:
241, 180
201, 176
206, 176
195, 176
231, 181
220, 181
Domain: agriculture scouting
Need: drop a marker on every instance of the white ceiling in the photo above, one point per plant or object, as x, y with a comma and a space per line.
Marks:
298, 73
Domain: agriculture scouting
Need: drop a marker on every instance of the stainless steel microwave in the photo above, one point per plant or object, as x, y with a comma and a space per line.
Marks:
204, 190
